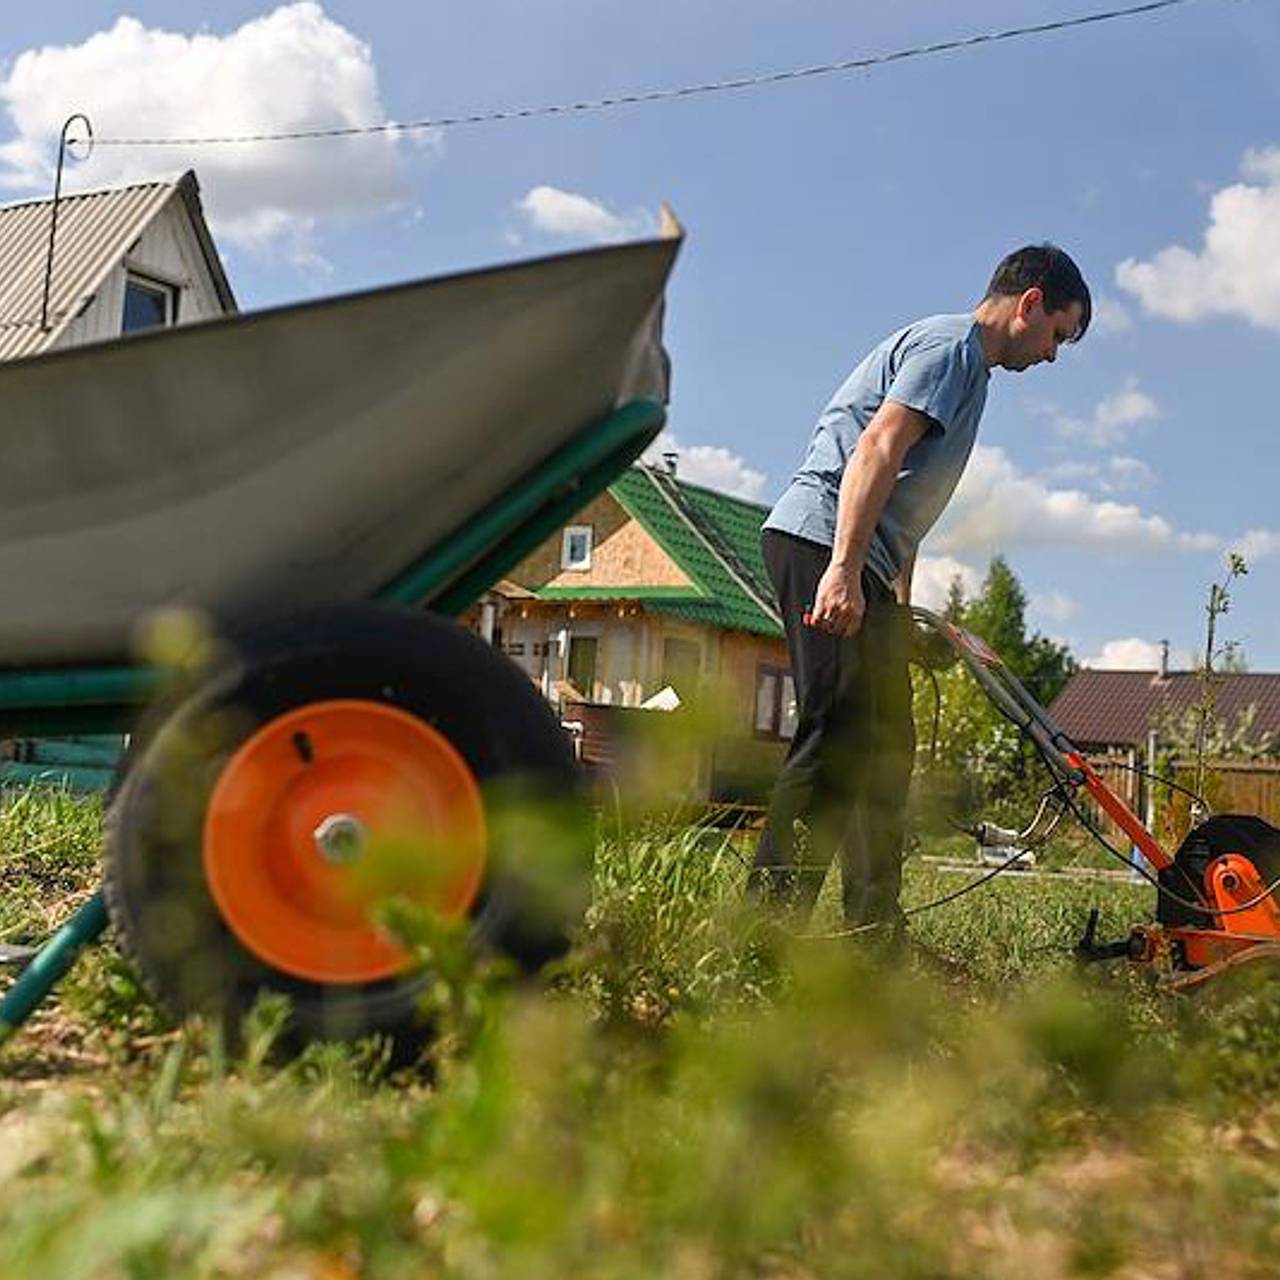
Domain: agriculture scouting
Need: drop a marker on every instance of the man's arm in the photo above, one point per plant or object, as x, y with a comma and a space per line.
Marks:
869, 477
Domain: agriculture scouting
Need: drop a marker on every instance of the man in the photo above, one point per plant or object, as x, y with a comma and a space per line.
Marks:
840, 546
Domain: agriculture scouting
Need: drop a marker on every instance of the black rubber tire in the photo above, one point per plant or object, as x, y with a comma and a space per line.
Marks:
155, 887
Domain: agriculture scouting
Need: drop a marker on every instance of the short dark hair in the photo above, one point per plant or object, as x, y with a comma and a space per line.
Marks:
1049, 269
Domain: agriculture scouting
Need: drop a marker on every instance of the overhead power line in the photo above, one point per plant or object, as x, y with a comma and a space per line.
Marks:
663, 95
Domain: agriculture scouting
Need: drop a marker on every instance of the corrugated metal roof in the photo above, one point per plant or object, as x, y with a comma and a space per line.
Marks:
1113, 708
618, 592
95, 230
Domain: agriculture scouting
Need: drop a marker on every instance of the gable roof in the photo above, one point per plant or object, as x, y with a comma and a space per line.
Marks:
712, 537
95, 230
1121, 707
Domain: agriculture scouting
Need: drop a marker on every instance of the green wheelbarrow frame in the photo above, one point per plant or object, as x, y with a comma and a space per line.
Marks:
447, 578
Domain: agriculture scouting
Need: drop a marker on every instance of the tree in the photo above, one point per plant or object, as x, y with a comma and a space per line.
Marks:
980, 758
1234, 661
998, 615
954, 608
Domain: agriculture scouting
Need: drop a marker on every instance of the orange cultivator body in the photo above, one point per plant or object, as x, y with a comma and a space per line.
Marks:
1216, 907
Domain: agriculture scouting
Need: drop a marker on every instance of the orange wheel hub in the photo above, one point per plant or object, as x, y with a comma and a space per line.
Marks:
328, 810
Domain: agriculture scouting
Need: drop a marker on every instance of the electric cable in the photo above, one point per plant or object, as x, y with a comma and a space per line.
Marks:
643, 97
917, 910
1163, 781
1202, 907
968, 888
1063, 789
1064, 792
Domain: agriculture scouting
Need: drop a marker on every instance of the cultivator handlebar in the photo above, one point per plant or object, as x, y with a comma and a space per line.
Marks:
1065, 761
1217, 905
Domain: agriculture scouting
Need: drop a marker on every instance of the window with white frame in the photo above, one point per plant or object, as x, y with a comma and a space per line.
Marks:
575, 547
775, 712
148, 304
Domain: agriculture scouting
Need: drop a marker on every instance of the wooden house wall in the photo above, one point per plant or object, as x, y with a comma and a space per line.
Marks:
742, 656
622, 555
629, 654
734, 763
535, 635
630, 651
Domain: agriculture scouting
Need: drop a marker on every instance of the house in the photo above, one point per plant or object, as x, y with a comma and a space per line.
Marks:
1120, 716
125, 259
658, 585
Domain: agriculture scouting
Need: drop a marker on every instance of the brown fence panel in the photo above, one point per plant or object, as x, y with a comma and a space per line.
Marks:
1117, 771
1238, 786
1231, 786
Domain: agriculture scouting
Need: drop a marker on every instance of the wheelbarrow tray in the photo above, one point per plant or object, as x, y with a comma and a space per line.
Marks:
410, 443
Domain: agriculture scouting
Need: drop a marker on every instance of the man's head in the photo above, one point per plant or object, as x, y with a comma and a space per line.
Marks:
1037, 299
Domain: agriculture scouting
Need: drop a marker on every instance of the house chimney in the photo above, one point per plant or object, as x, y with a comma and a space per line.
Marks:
1164, 659
669, 460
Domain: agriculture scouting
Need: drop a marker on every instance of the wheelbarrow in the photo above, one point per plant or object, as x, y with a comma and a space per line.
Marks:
304, 499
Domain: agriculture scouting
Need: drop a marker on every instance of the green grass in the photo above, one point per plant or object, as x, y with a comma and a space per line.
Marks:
697, 1094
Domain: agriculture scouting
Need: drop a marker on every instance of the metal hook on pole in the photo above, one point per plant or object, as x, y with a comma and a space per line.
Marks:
64, 144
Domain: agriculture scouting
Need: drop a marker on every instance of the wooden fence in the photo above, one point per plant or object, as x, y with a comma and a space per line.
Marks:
1240, 787
1231, 786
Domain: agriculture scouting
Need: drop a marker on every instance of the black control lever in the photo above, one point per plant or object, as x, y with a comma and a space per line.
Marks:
1090, 951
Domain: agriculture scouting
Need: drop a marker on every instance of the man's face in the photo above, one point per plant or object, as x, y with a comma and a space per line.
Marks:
1036, 334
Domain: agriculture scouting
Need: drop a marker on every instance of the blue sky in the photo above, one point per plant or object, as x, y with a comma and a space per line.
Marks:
821, 215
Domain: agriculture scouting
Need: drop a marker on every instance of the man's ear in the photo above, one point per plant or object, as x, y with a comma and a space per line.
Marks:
1029, 300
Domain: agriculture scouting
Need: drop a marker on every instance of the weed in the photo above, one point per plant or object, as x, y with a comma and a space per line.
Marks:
697, 1096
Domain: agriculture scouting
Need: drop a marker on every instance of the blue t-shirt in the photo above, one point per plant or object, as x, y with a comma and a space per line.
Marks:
936, 366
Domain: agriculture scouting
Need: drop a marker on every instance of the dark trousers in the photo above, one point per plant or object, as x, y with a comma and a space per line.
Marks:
849, 767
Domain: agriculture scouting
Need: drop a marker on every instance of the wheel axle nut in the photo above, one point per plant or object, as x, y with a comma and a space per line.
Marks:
340, 839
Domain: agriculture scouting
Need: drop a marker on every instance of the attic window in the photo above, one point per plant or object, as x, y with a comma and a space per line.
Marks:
575, 549
148, 304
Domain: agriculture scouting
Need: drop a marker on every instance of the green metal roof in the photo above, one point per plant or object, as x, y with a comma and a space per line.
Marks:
715, 539
617, 593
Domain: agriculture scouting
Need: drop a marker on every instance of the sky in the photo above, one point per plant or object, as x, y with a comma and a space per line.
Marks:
822, 214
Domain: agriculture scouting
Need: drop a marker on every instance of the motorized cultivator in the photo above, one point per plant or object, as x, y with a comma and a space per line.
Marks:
1216, 905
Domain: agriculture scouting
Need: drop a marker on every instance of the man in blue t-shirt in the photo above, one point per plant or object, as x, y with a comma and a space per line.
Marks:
840, 545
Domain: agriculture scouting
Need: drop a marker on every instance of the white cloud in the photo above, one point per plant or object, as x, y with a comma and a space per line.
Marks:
709, 465
1257, 545
1130, 654
1070, 472
1112, 418
1237, 268
932, 579
1125, 474
1110, 315
997, 506
566, 213
292, 69
1119, 474
1053, 606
